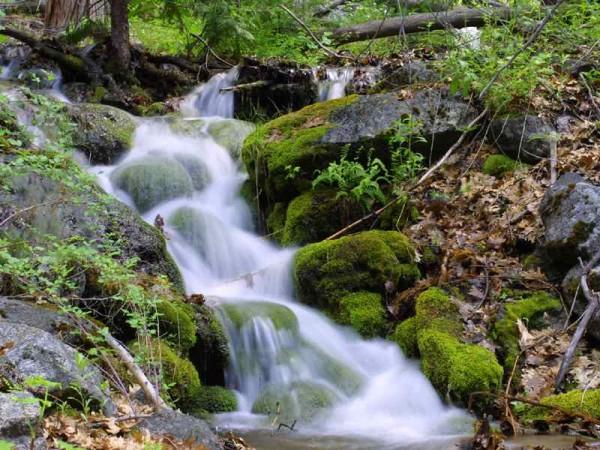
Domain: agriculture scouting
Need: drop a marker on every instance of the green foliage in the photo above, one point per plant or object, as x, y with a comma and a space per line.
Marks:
406, 164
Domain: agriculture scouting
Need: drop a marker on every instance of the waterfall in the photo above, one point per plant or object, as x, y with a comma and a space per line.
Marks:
326, 376
208, 100
335, 82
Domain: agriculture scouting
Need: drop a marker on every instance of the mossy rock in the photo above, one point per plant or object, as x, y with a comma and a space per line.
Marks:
458, 369
196, 169
104, 132
290, 141
152, 180
315, 215
576, 401
276, 221
454, 368
187, 127
210, 354
242, 313
216, 399
405, 335
528, 307
231, 134
178, 373
301, 400
364, 312
177, 323
498, 165
192, 225
326, 271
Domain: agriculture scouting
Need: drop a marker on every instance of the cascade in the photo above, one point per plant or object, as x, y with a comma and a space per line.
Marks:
325, 376
335, 82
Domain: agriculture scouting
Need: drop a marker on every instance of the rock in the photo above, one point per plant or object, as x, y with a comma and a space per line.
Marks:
36, 354
196, 169
364, 312
570, 211
244, 313
526, 138
210, 355
327, 271
313, 137
231, 133
405, 335
572, 292
46, 318
38, 78
19, 417
153, 180
301, 401
216, 399
182, 427
79, 208
396, 77
104, 132
585, 402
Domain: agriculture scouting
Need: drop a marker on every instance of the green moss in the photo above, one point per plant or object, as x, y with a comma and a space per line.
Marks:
364, 312
435, 310
326, 271
177, 324
210, 355
292, 140
315, 215
178, 373
405, 335
276, 221
302, 401
216, 399
580, 402
532, 261
241, 313
231, 133
497, 165
529, 307
458, 369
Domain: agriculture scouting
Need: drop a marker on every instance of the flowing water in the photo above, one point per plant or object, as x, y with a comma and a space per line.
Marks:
335, 82
284, 355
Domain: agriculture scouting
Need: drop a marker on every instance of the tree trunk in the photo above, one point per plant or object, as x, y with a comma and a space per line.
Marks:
119, 34
414, 23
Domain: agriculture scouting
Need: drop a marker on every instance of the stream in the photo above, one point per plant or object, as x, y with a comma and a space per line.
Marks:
343, 391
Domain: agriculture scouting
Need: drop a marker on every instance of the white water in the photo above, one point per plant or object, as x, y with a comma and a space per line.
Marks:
335, 82
394, 405
208, 100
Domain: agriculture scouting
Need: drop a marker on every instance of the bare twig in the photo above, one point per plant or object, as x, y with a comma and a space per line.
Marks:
211, 51
525, 46
24, 210
590, 93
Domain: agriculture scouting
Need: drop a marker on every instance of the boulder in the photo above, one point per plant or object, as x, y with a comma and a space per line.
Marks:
244, 313
231, 133
396, 77
327, 271
310, 139
182, 427
33, 354
104, 132
46, 318
19, 417
527, 138
152, 180
210, 355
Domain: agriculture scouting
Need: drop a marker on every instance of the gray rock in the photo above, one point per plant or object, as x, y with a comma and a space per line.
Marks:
35, 353
181, 427
570, 211
19, 414
441, 118
569, 289
527, 138
104, 132
89, 214
45, 318
414, 72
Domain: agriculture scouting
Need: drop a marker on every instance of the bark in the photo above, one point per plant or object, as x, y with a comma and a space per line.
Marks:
119, 34
414, 23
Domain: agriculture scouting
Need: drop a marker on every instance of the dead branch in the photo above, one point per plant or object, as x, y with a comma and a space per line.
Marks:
247, 86
378, 212
415, 23
593, 307
313, 35
211, 51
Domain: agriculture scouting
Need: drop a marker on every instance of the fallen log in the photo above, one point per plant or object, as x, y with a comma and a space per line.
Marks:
415, 23
68, 63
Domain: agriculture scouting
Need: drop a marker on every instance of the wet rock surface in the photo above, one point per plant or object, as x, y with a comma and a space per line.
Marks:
528, 138
19, 417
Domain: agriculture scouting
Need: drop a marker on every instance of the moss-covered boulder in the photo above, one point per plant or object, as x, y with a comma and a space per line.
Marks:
243, 313
177, 323
498, 165
231, 133
454, 368
210, 354
150, 181
216, 399
405, 335
327, 271
178, 373
525, 306
104, 132
578, 402
196, 169
302, 400
281, 156
313, 216
364, 312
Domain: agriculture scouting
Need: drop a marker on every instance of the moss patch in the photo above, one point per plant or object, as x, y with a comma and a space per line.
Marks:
327, 271
529, 307
242, 313
405, 335
210, 354
216, 399
364, 312
177, 324
581, 402
497, 165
